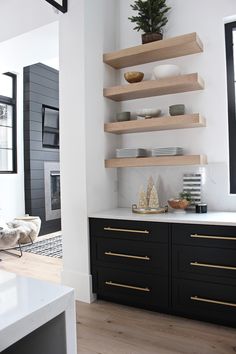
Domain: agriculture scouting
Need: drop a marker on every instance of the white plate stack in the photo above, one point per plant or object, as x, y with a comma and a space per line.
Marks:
125, 153
168, 151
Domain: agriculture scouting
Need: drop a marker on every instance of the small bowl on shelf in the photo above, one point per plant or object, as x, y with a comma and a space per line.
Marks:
148, 113
134, 76
164, 71
179, 204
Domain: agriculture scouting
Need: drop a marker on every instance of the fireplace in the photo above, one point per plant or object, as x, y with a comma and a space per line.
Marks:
52, 190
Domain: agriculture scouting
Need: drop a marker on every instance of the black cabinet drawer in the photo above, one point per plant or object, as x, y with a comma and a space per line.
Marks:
211, 263
136, 255
132, 288
204, 235
207, 301
130, 230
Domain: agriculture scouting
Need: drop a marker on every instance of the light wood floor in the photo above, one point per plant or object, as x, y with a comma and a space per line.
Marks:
31, 265
106, 328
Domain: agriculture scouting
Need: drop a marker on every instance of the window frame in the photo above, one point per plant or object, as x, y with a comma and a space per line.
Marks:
44, 107
12, 102
229, 27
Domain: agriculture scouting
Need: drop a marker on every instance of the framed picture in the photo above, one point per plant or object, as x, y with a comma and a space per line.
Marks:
61, 5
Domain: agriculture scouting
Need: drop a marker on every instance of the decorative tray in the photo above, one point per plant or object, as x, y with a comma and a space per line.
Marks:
137, 210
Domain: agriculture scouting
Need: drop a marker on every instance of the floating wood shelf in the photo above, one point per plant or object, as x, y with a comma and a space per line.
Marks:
150, 88
157, 161
156, 124
159, 50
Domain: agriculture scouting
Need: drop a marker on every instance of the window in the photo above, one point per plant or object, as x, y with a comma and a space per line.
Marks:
8, 163
230, 38
50, 127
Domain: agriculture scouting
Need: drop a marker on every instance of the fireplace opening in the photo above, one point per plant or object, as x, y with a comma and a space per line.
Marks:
52, 190
55, 190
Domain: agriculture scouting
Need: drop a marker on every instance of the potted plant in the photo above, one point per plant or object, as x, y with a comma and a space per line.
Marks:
151, 18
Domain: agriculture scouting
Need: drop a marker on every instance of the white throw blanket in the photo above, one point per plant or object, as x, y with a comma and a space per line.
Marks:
28, 229
17, 230
8, 237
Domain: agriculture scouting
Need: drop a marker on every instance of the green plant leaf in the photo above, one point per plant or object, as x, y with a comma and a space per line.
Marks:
151, 15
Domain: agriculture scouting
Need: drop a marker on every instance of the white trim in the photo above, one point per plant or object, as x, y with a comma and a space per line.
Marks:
82, 284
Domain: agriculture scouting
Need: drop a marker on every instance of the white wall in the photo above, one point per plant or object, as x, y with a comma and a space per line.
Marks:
86, 184
40, 45
207, 19
18, 17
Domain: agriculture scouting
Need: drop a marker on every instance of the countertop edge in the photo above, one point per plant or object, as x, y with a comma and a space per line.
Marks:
211, 218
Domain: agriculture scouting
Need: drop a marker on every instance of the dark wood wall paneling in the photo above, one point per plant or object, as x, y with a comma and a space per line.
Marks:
41, 86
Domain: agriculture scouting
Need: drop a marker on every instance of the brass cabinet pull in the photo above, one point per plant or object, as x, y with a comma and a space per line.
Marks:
126, 230
144, 258
206, 265
110, 283
214, 237
201, 299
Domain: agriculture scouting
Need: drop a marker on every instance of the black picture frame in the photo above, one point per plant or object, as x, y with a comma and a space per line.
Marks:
63, 8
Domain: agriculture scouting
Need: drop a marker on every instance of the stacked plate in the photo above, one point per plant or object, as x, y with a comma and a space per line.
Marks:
168, 151
122, 153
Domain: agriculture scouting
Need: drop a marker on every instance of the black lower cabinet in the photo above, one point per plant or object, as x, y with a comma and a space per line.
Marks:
133, 288
205, 301
187, 270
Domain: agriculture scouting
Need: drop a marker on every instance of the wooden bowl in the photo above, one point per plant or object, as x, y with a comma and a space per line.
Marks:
134, 76
178, 203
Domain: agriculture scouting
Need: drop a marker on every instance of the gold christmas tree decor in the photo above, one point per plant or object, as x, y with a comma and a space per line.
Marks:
148, 202
149, 188
153, 201
142, 204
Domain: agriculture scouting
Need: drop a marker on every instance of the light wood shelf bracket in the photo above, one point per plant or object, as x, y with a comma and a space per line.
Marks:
157, 161
150, 88
160, 50
156, 124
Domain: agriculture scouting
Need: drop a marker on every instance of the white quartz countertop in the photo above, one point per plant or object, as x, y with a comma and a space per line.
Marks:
26, 304
210, 218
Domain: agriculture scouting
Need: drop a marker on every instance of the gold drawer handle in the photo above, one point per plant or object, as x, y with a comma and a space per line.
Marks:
214, 237
201, 299
206, 265
144, 258
110, 283
126, 230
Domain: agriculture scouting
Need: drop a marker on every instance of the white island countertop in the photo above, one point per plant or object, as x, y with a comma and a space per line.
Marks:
26, 304
210, 218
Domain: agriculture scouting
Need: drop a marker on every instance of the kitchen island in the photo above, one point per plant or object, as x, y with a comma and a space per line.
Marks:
36, 316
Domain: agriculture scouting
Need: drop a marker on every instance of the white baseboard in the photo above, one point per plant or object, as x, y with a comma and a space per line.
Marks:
82, 284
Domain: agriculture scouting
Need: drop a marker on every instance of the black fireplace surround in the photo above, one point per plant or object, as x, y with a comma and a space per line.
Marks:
41, 88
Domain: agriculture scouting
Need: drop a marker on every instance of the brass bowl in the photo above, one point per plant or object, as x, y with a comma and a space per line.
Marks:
134, 76
178, 203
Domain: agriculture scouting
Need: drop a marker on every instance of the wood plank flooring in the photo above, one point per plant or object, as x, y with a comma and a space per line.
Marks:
106, 328
32, 265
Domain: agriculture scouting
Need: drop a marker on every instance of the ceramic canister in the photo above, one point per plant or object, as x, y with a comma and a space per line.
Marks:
201, 208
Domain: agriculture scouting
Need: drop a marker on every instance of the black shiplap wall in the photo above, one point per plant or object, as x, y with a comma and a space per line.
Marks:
41, 86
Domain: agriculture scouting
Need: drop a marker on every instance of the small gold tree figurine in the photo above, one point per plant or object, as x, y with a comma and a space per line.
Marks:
153, 201
142, 204
149, 188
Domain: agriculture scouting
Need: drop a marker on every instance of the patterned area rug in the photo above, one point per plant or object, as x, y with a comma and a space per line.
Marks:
51, 247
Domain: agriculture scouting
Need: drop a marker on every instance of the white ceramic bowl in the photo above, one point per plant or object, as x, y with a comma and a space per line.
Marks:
163, 71
148, 112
